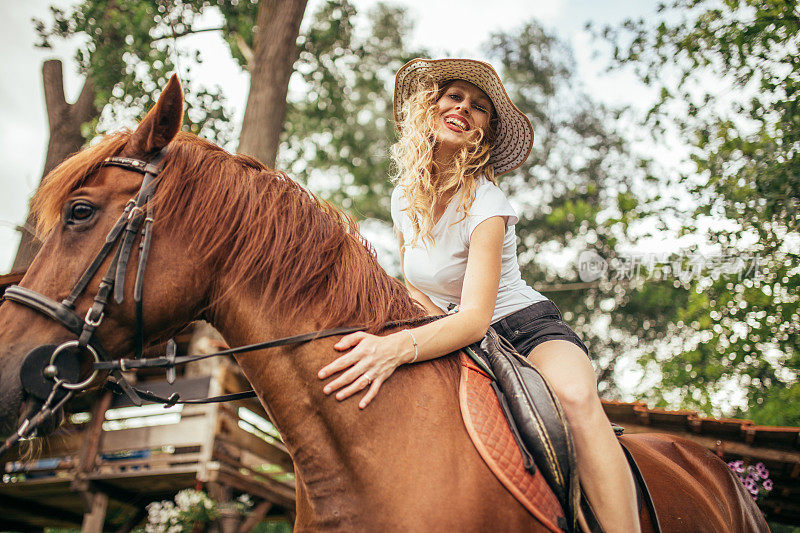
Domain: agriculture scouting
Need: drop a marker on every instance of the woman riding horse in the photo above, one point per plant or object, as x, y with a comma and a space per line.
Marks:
249, 250
459, 132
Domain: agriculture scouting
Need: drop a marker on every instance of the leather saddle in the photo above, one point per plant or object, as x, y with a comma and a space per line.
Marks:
535, 417
540, 427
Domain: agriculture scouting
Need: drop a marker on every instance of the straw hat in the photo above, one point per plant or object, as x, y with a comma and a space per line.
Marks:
514, 138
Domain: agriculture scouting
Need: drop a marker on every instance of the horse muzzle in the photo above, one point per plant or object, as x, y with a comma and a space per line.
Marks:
47, 375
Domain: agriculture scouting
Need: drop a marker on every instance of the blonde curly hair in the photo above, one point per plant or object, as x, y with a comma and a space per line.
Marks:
416, 171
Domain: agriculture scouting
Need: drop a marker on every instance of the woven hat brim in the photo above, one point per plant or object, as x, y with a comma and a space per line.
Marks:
514, 135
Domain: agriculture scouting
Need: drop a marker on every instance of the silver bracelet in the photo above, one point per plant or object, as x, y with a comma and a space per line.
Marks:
416, 349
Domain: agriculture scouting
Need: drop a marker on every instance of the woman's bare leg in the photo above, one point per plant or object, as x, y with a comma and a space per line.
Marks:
603, 470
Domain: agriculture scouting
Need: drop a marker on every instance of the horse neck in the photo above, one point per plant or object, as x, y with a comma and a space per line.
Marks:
342, 455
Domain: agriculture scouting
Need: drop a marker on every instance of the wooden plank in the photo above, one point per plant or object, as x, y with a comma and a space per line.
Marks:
144, 474
95, 519
252, 460
94, 435
772, 436
37, 507
52, 485
187, 432
149, 463
732, 447
256, 516
279, 494
231, 433
244, 469
148, 486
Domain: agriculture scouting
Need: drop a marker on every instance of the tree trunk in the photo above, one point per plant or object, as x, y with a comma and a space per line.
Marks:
275, 51
64, 122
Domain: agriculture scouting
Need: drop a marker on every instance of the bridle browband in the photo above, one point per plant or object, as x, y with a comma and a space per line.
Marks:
40, 367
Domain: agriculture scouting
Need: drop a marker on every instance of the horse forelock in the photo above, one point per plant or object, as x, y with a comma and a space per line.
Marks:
256, 227
70, 175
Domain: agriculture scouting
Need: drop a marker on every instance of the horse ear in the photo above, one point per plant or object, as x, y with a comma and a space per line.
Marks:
162, 122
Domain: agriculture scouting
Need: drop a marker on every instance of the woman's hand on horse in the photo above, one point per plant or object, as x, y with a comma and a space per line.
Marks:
369, 363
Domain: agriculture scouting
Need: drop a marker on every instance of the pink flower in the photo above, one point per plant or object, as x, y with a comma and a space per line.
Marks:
737, 466
767, 484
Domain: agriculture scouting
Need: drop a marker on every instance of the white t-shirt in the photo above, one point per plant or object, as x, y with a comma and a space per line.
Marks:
437, 268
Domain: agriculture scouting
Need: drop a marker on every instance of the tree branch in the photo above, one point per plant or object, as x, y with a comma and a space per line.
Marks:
247, 52
53, 82
84, 107
185, 33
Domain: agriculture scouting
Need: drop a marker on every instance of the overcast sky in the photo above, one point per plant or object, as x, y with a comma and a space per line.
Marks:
443, 27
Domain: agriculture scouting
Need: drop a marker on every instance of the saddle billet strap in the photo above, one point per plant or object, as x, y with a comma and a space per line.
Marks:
527, 459
471, 353
590, 515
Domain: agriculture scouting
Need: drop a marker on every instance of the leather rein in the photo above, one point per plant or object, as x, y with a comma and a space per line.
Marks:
41, 375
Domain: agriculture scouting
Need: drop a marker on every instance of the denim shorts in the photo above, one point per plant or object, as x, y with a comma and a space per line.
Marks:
535, 324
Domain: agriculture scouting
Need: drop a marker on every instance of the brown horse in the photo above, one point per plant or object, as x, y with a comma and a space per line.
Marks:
247, 249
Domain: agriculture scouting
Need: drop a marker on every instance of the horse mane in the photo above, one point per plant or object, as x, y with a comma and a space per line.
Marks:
257, 227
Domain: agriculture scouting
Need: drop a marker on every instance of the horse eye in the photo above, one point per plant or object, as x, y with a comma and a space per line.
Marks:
81, 211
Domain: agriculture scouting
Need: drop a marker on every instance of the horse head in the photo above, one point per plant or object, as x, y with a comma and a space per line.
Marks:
77, 207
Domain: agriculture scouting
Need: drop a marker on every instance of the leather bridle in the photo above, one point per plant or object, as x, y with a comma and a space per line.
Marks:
50, 373
136, 216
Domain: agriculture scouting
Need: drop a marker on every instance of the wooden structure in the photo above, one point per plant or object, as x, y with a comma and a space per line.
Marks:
103, 468
111, 459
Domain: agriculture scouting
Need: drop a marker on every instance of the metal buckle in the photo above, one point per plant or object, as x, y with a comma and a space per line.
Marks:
93, 323
135, 212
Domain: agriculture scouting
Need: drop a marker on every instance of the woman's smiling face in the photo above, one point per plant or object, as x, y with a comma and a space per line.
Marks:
463, 107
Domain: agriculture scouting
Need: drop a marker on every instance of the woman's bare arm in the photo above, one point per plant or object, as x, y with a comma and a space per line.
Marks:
372, 359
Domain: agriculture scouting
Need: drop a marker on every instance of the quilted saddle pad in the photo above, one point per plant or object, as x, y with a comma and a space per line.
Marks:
491, 435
